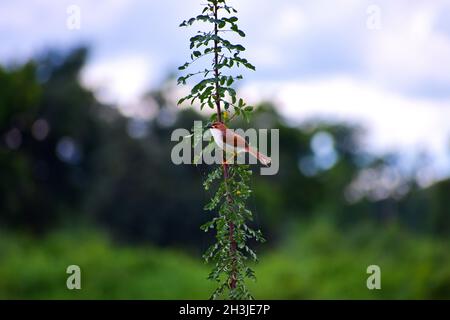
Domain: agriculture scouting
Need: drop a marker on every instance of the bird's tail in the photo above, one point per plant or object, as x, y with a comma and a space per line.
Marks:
265, 160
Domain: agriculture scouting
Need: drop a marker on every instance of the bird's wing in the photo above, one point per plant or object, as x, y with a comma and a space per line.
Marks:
235, 141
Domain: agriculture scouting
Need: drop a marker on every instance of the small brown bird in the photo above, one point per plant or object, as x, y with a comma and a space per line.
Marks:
229, 141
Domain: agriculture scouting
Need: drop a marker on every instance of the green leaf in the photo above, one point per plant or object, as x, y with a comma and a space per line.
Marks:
250, 66
246, 116
184, 66
232, 92
208, 225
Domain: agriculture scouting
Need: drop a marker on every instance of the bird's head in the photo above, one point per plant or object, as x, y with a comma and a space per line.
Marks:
217, 125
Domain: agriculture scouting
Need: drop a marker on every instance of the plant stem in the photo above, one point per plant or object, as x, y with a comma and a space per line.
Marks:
216, 62
231, 226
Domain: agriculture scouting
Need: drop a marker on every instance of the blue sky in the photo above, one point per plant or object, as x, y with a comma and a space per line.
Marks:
384, 64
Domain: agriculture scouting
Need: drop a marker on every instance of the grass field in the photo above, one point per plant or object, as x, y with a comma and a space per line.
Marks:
319, 262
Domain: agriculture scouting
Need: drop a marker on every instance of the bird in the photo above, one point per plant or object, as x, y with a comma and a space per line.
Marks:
228, 140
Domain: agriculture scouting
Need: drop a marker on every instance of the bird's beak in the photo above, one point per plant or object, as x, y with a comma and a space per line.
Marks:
209, 126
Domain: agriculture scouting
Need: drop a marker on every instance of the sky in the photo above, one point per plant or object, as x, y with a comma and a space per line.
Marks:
382, 64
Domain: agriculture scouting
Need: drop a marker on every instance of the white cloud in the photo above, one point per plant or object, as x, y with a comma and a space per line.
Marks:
119, 80
409, 52
266, 55
394, 122
100, 15
27, 26
48, 17
290, 22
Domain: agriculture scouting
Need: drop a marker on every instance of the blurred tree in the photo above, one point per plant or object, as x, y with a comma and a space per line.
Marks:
65, 158
50, 130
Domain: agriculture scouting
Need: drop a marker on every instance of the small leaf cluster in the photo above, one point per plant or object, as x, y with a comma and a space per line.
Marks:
216, 87
229, 200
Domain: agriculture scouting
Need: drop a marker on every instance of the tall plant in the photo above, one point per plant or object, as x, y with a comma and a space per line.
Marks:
230, 253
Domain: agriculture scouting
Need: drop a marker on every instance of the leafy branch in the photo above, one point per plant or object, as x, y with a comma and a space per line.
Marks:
230, 253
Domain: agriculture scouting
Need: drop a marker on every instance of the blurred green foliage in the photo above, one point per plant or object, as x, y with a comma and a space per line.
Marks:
318, 261
37, 270
69, 163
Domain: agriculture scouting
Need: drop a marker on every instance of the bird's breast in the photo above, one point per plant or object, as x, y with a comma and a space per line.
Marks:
218, 137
